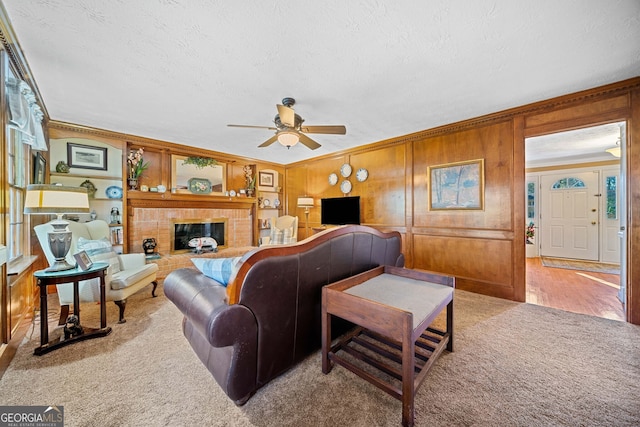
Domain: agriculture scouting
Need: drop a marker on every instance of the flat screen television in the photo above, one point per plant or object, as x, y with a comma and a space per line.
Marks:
340, 210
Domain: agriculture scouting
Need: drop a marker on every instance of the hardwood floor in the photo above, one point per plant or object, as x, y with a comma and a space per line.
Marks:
577, 291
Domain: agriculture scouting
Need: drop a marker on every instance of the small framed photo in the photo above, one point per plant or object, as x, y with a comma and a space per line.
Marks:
40, 165
86, 156
83, 260
266, 179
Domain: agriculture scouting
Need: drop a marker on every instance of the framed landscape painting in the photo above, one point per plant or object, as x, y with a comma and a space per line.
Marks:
86, 156
456, 186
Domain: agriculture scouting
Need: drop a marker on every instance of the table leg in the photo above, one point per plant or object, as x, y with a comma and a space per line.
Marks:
44, 321
103, 303
408, 352
76, 300
326, 335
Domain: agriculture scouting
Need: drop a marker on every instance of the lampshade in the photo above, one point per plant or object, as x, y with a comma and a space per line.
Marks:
288, 138
55, 199
305, 202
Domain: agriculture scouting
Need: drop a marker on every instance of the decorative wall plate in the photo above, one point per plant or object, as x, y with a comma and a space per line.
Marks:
266, 203
199, 185
362, 174
114, 192
345, 186
345, 170
333, 179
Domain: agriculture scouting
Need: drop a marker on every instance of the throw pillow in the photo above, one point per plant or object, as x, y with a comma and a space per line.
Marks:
100, 250
218, 269
277, 236
288, 236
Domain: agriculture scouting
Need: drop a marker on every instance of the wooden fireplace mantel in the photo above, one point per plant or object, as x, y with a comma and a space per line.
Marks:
168, 200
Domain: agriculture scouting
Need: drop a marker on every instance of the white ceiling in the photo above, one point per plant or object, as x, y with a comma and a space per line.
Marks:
181, 70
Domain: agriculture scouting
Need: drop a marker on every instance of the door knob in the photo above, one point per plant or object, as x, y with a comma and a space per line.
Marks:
593, 223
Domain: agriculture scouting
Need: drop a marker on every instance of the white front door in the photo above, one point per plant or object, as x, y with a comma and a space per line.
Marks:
569, 215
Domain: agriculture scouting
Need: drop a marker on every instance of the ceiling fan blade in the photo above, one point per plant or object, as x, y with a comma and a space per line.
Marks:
269, 141
310, 143
287, 115
254, 127
335, 130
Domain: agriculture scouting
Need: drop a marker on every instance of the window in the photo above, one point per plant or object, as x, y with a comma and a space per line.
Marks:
531, 200
568, 183
611, 189
17, 167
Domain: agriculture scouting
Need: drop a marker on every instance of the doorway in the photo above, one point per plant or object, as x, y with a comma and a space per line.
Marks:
574, 210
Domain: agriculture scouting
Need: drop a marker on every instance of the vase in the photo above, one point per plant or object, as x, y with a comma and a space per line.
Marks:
133, 183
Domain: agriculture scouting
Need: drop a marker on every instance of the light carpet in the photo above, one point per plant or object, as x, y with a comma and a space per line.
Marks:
574, 264
514, 365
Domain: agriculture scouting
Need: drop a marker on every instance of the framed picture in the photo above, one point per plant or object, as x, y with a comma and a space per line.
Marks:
266, 179
456, 186
39, 168
86, 156
83, 260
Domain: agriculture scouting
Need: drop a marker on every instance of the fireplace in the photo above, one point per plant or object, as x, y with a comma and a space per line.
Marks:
185, 230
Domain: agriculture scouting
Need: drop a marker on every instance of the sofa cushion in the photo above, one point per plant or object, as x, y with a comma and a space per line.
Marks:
100, 250
126, 278
219, 269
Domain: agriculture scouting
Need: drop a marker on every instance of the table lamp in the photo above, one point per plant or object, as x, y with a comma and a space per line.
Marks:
49, 199
306, 203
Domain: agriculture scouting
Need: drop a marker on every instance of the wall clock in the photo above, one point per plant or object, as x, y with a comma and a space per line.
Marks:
362, 174
345, 186
333, 179
345, 170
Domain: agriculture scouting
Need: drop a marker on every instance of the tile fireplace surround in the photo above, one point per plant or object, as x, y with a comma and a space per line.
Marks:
147, 222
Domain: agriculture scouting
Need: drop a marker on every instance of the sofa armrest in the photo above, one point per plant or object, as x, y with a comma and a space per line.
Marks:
203, 302
131, 261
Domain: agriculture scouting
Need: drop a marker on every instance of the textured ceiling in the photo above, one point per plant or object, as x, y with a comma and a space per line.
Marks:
181, 70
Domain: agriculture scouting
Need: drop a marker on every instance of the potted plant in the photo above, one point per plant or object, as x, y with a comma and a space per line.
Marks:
250, 179
136, 167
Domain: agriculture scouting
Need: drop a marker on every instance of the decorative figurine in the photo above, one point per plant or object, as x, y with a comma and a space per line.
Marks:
62, 167
115, 215
149, 246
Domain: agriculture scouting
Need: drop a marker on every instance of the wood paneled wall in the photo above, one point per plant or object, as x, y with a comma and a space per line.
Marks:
483, 249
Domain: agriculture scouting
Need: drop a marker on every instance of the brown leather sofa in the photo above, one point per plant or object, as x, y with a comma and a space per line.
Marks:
268, 317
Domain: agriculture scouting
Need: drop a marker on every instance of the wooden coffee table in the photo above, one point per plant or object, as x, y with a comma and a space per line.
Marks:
393, 309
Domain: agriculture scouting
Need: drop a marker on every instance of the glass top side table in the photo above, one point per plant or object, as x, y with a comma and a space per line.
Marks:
75, 276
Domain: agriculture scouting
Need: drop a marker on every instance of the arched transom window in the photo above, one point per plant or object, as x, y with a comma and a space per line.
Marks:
568, 182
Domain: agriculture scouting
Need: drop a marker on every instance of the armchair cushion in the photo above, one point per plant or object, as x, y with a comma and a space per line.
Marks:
218, 269
125, 278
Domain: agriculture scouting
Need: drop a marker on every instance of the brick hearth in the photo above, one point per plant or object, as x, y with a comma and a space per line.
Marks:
155, 222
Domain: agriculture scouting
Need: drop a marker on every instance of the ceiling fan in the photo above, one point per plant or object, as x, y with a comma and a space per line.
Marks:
289, 128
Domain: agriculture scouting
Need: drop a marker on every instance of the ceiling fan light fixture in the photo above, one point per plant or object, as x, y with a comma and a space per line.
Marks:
288, 138
615, 151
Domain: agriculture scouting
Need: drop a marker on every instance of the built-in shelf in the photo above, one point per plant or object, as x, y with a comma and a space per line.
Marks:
87, 176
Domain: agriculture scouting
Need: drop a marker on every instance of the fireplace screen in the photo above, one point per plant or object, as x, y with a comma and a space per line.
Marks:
194, 235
